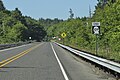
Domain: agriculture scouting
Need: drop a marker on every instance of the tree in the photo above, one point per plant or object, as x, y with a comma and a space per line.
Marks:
71, 14
79, 35
17, 32
1, 6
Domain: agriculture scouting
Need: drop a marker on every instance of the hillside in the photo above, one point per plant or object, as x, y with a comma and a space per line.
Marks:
15, 27
79, 30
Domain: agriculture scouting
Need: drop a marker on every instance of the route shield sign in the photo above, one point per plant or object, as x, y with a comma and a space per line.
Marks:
63, 35
96, 27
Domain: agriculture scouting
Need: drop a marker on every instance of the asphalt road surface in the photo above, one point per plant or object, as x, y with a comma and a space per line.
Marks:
44, 61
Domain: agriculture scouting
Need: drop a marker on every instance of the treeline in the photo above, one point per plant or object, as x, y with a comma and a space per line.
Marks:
14, 27
79, 30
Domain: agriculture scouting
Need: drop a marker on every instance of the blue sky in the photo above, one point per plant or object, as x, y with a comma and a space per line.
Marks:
51, 8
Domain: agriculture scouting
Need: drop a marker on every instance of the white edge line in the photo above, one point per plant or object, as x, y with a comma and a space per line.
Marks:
61, 67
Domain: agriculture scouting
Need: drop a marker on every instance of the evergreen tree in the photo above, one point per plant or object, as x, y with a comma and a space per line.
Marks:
1, 6
71, 14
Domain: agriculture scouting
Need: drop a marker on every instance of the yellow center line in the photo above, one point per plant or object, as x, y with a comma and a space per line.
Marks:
13, 58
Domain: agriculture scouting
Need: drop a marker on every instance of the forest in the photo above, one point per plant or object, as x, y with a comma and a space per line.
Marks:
14, 27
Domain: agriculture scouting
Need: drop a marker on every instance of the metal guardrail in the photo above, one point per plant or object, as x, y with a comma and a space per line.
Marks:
4, 46
101, 61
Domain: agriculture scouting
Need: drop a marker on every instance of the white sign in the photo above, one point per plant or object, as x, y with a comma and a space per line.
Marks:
96, 27
95, 23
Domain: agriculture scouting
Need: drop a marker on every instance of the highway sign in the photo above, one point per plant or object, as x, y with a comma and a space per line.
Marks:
96, 31
96, 27
63, 35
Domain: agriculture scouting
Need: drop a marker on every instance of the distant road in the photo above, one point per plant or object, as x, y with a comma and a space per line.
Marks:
44, 61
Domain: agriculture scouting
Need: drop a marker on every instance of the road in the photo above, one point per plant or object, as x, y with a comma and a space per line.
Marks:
44, 61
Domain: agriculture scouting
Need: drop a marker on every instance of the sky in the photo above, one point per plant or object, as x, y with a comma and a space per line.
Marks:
51, 8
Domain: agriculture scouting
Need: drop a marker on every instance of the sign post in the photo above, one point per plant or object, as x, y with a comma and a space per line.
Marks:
63, 35
96, 31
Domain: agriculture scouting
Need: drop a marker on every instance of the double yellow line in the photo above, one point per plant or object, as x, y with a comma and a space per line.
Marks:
13, 58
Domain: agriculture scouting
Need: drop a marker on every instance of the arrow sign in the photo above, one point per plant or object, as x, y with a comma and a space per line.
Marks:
63, 35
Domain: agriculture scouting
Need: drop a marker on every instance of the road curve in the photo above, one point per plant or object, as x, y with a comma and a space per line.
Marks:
44, 61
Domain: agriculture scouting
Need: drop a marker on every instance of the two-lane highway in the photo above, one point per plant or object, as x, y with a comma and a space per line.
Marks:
43, 61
